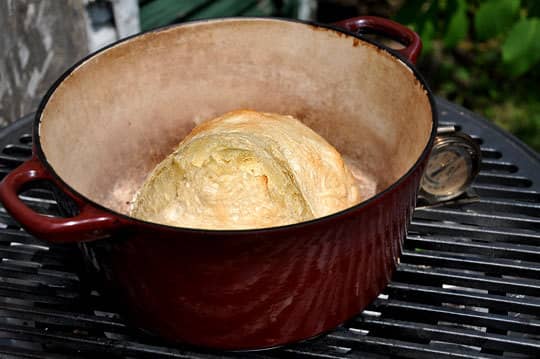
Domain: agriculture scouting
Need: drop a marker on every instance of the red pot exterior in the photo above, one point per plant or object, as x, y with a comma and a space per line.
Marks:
233, 290
250, 291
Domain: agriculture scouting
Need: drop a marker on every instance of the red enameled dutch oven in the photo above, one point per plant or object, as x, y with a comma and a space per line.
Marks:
113, 116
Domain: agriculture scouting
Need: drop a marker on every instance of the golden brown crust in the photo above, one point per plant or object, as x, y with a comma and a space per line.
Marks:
247, 169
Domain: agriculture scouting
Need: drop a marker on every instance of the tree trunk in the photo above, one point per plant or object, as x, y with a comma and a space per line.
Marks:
38, 41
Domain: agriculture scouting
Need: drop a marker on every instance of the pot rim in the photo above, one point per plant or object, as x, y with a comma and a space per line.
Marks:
38, 151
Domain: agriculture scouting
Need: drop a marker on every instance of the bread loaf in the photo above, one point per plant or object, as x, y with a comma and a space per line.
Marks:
247, 170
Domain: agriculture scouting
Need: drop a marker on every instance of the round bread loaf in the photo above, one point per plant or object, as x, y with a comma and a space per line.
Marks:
247, 170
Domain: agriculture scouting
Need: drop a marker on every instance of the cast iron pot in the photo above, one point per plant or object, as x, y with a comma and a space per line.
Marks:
113, 116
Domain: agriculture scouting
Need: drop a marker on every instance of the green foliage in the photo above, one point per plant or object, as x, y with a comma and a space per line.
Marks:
521, 49
495, 17
509, 21
485, 55
458, 25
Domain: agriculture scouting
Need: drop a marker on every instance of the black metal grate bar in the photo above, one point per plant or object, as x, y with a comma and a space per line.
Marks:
479, 218
405, 349
489, 250
468, 285
411, 273
401, 309
428, 294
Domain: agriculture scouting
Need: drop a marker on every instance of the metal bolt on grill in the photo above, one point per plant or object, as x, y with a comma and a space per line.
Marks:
468, 285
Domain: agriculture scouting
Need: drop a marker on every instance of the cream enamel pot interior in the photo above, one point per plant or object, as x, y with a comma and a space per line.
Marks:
112, 117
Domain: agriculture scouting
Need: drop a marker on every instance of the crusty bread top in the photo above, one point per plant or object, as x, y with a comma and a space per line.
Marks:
247, 170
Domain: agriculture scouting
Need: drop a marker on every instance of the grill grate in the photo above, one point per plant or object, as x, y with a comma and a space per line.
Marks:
468, 285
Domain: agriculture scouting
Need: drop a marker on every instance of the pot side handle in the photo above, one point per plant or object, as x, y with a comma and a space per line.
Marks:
90, 224
389, 28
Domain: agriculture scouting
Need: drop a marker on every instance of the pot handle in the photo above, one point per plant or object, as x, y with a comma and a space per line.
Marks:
90, 224
389, 28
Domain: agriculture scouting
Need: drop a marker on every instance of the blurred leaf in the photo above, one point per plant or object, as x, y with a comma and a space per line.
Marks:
410, 11
448, 88
462, 75
494, 17
448, 9
521, 49
429, 18
419, 14
458, 26
427, 36
521, 119
493, 93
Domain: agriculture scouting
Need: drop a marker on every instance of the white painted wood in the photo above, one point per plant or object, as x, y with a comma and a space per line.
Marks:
126, 17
